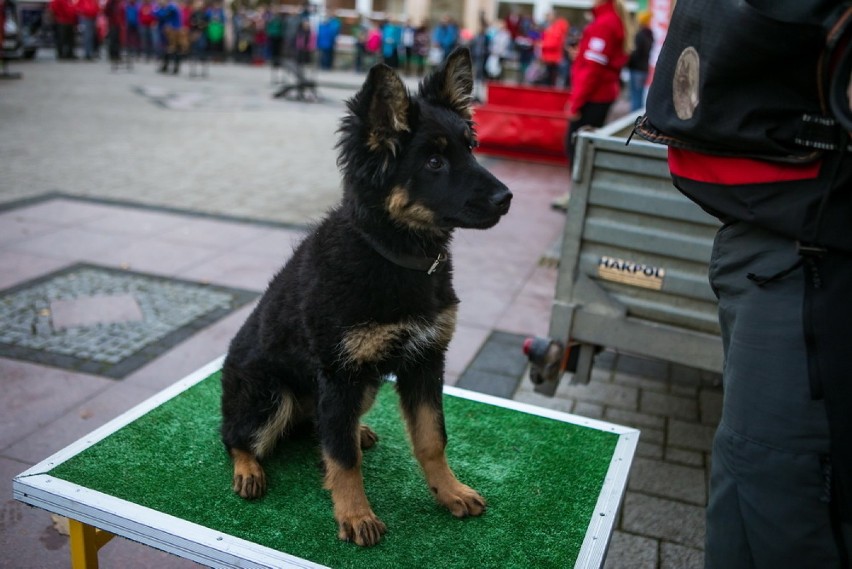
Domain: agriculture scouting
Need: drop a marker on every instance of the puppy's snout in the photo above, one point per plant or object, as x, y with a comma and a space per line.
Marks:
502, 198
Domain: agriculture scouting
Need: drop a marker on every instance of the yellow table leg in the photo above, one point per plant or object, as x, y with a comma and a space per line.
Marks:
86, 540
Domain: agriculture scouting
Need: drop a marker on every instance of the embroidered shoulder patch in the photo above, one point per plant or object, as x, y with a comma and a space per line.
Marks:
685, 83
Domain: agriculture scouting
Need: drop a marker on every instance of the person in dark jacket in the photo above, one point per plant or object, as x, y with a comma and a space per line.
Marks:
116, 17
637, 64
738, 99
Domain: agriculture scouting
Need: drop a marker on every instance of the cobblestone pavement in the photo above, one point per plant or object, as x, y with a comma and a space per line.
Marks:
213, 181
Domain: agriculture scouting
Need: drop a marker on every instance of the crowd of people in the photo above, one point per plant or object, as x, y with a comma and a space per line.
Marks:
173, 31
168, 30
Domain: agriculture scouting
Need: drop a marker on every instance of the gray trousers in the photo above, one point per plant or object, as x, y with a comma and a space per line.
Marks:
768, 505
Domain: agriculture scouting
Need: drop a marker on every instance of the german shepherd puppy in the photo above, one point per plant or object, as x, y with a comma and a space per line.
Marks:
368, 293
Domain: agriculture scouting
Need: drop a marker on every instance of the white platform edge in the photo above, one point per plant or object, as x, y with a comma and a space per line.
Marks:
215, 549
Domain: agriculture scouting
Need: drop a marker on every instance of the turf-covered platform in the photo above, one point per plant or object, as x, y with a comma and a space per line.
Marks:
159, 475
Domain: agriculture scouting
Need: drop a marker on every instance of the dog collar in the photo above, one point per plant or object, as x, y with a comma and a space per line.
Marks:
428, 265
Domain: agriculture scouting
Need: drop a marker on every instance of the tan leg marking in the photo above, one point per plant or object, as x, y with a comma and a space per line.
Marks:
249, 478
355, 518
428, 443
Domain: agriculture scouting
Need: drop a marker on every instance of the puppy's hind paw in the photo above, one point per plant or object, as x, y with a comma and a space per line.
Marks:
461, 500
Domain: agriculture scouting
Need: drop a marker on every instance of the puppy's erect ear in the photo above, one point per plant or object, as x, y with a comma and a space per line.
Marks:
387, 104
451, 84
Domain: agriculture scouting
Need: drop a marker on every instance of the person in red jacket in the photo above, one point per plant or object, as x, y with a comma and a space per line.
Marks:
65, 18
552, 41
148, 29
596, 71
88, 12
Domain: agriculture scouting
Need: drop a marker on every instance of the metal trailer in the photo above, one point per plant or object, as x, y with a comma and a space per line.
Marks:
633, 265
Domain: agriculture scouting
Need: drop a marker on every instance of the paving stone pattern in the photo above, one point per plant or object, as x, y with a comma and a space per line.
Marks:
661, 524
166, 305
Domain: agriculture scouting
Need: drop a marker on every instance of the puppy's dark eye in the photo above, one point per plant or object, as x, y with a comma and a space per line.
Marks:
435, 162
472, 145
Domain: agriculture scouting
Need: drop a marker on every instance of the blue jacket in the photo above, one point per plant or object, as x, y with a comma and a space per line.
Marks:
327, 33
391, 39
168, 16
446, 36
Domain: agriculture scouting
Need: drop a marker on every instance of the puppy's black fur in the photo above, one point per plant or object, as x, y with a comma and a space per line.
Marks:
367, 294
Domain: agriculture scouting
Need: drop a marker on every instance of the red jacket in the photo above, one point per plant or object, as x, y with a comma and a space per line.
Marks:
553, 41
595, 73
146, 15
63, 12
116, 16
88, 8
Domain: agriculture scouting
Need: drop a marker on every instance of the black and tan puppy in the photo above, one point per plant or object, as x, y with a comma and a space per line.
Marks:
368, 293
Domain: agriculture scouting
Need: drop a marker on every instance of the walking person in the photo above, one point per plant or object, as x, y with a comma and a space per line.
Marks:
216, 31
595, 73
114, 11
198, 40
304, 43
478, 46
65, 18
373, 45
445, 36
421, 49
87, 11
169, 19
552, 47
499, 50
595, 76
133, 29
327, 33
359, 33
275, 38
391, 43
148, 29
408, 31
637, 64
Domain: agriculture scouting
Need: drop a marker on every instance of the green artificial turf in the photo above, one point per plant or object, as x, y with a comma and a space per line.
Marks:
541, 479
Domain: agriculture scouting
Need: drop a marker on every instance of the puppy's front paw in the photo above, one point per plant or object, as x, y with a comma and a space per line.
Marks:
249, 478
364, 529
250, 485
461, 500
